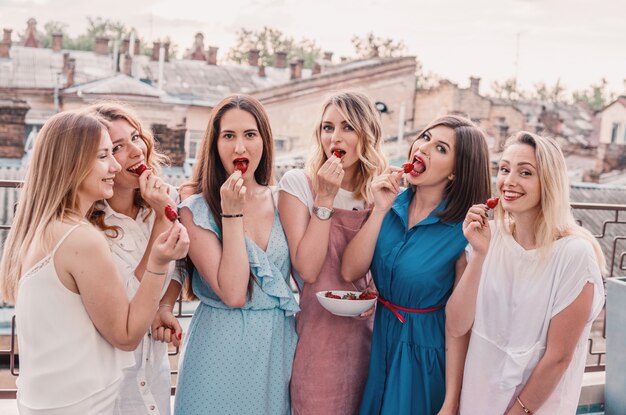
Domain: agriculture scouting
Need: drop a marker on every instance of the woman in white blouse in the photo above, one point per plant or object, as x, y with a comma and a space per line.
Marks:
73, 315
131, 220
530, 292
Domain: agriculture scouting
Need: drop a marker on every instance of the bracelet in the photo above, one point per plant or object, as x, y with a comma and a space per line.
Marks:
524, 408
236, 215
166, 305
155, 273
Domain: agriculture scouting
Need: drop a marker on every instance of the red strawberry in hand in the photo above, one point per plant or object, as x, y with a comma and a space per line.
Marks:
170, 213
492, 202
140, 169
407, 167
241, 166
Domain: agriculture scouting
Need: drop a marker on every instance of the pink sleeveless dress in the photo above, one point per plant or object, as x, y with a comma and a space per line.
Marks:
332, 356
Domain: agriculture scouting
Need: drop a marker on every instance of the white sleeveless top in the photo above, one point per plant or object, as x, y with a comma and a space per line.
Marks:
63, 357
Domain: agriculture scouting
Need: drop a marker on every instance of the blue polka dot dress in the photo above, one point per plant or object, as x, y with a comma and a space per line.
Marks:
238, 360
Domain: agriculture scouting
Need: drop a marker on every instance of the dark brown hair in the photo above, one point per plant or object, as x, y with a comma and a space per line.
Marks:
209, 173
472, 178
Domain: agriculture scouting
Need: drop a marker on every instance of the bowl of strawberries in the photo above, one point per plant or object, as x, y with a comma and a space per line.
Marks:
347, 303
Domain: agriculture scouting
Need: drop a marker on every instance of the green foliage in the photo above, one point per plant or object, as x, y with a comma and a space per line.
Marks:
371, 46
269, 41
596, 96
507, 89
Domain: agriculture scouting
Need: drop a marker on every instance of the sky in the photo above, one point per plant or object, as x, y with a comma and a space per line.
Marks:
573, 42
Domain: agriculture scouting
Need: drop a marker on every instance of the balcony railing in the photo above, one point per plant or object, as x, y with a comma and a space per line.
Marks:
605, 221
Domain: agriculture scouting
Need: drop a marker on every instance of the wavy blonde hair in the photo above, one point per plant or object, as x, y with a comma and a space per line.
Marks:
115, 111
555, 219
64, 154
359, 111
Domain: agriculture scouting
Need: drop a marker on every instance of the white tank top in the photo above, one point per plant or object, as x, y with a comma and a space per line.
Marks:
63, 357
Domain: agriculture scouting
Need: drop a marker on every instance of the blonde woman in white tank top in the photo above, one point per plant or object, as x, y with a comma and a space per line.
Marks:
73, 316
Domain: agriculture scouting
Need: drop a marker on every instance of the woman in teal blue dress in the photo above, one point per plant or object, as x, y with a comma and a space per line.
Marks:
413, 244
241, 341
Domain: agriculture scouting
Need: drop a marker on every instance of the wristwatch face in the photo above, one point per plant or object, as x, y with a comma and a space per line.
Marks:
323, 213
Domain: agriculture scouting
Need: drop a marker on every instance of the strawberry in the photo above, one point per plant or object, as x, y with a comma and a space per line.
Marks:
241, 166
492, 202
329, 294
141, 168
408, 167
349, 296
367, 295
337, 153
170, 213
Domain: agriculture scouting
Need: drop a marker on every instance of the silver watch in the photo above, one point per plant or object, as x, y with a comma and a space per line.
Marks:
322, 213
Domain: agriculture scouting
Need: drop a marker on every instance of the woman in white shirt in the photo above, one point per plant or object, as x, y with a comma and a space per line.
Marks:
131, 220
530, 292
73, 314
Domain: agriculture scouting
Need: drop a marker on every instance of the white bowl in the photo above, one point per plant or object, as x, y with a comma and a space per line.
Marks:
344, 308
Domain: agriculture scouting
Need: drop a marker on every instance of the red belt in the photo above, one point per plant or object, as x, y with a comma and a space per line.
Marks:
394, 309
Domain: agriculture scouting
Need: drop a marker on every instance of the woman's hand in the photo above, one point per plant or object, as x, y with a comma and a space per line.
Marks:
155, 192
329, 178
170, 245
385, 188
476, 228
166, 328
232, 194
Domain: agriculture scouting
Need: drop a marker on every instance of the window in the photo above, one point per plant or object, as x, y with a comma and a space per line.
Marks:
193, 138
614, 132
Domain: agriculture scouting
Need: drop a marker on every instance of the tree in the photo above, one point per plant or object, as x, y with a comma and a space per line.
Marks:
371, 46
596, 96
507, 90
268, 41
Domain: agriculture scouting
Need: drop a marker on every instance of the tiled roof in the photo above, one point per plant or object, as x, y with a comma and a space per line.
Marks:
119, 84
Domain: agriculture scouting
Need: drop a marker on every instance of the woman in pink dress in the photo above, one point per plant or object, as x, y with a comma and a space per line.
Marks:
321, 210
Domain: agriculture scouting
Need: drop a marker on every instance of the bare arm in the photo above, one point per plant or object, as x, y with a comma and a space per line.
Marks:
86, 258
563, 335
307, 236
357, 257
461, 307
456, 350
223, 265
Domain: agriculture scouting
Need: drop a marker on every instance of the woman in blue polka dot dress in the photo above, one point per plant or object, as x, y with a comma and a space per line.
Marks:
241, 341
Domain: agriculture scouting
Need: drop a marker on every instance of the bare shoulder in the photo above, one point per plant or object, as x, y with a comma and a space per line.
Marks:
86, 239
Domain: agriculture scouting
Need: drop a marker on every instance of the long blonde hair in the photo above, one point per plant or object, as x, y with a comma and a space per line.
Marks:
359, 111
555, 219
63, 156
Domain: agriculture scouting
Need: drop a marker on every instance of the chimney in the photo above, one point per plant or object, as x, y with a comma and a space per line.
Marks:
262, 71
211, 55
57, 42
474, 84
125, 44
317, 69
299, 67
166, 46
137, 50
127, 68
102, 45
328, 56
71, 70
5, 45
253, 57
197, 52
156, 46
344, 59
281, 60
30, 36
293, 66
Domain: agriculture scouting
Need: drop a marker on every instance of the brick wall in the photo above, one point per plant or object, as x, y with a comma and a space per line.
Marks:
171, 141
12, 115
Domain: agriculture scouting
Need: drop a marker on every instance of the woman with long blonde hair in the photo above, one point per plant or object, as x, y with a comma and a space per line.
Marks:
132, 219
322, 208
73, 316
530, 292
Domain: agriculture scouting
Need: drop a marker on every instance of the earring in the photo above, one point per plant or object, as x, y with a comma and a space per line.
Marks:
451, 177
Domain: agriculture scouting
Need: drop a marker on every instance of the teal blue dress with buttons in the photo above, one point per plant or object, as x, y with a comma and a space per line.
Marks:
238, 360
415, 269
